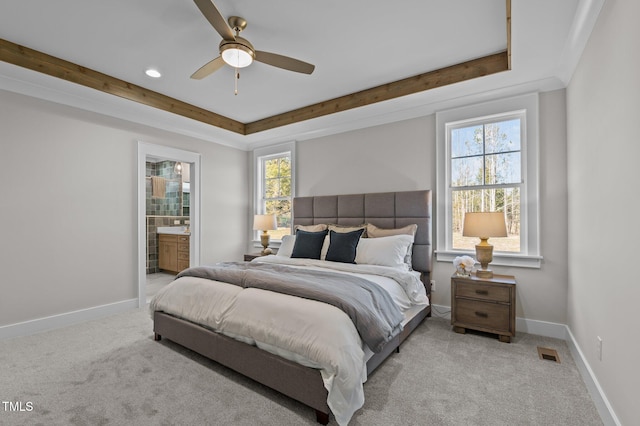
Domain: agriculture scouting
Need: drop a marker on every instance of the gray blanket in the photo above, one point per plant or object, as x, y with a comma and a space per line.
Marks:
371, 309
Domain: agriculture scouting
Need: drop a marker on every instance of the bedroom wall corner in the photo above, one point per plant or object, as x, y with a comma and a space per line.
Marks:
603, 108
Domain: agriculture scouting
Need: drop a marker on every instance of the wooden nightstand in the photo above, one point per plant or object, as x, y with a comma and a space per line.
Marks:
250, 256
484, 304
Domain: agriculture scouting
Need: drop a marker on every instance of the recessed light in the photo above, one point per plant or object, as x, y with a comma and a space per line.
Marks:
153, 73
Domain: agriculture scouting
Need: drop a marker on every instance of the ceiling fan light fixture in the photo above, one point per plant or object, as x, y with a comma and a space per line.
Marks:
237, 55
238, 52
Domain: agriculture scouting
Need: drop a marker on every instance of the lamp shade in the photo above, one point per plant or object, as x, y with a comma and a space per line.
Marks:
484, 225
265, 222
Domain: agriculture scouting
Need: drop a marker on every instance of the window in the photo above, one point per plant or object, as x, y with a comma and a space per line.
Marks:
486, 175
274, 185
488, 161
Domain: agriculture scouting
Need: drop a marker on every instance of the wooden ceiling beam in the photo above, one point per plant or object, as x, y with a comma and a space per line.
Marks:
444, 76
509, 32
56, 67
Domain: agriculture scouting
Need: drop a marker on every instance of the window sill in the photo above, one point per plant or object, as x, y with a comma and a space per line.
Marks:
273, 244
499, 259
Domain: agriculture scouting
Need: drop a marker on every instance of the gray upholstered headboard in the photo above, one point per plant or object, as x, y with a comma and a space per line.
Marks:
382, 209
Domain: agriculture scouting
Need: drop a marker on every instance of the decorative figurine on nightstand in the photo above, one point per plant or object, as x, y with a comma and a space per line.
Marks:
464, 265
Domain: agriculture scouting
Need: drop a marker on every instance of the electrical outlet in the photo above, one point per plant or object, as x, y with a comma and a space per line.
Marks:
433, 286
599, 347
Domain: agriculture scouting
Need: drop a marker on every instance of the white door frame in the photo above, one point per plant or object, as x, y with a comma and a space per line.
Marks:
174, 154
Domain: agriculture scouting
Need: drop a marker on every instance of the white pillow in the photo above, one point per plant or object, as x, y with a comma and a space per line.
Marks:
325, 248
286, 247
384, 251
375, 232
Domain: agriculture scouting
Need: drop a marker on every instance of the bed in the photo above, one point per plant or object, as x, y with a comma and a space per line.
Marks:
307, 373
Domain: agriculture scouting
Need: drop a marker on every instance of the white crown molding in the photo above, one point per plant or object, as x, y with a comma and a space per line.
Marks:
584, 20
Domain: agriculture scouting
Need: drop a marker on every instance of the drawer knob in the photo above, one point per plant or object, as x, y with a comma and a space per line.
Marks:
483, 292
482, 314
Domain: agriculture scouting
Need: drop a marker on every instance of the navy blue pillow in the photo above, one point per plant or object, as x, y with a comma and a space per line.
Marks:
308, 245
342, 246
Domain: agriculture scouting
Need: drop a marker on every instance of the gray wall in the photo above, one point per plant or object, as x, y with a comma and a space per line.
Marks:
401, 156
69, 206
603, 103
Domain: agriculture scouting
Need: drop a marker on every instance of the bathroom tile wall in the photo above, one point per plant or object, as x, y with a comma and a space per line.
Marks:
166, 211
171, 204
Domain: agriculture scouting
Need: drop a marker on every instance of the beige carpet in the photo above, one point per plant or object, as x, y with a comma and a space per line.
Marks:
156, 281
111, 372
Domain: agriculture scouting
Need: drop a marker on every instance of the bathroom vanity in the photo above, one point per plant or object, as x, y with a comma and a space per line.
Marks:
173, 251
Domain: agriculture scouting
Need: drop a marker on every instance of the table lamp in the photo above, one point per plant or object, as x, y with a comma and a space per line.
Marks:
265, 222
484, 225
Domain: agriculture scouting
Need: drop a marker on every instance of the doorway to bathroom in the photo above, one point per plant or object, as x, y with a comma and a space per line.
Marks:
168, 215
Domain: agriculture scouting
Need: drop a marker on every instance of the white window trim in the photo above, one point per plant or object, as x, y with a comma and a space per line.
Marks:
257, 153
530, 196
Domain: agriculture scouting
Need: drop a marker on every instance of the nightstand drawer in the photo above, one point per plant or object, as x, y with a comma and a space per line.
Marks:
481, 291
490, 316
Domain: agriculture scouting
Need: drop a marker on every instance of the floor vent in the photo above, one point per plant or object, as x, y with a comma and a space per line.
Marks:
548, 354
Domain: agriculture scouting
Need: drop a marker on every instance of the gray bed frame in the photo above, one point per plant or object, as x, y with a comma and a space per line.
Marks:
304, 384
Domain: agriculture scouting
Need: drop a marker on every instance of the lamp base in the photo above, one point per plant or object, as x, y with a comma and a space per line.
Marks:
484, 254
264, 240
484, 273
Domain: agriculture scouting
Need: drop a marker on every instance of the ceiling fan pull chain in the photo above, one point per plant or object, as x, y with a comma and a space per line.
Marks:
236, 77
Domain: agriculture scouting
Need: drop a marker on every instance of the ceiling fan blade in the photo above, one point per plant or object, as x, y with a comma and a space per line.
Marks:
215, 18
284, 62
208, 68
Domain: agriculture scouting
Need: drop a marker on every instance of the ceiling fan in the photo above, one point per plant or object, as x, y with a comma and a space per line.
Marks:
237, 51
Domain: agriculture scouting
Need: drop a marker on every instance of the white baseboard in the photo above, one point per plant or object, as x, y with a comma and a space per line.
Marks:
63, 320
600, 400
542, 328
440, 311
559, 331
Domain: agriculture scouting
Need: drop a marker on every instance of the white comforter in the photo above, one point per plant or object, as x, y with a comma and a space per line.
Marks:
311, 333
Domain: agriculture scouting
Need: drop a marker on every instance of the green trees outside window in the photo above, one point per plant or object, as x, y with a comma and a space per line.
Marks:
276, 192
486, 175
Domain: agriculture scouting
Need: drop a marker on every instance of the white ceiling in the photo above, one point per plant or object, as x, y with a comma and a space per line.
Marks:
355, 45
